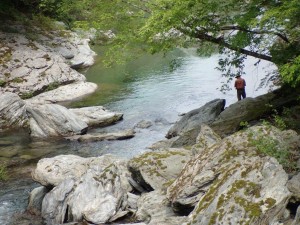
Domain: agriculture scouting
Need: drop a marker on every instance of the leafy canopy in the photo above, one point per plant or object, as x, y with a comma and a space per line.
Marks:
265, 29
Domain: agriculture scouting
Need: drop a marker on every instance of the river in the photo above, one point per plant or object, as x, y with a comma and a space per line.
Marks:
145, 89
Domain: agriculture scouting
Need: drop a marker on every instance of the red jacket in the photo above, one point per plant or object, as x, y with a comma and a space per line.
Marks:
240, 83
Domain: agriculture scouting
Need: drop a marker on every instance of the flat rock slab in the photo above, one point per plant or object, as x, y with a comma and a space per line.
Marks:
97, 115
65, 93
102, 137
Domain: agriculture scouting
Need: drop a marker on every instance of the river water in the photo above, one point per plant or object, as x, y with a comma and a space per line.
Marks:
155, 89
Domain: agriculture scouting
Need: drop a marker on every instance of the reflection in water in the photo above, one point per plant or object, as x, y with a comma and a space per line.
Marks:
145, 89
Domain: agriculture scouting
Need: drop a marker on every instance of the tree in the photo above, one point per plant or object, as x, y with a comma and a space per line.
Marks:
265, 29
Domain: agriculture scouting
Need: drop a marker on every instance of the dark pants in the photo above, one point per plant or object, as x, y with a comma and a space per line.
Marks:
241, 93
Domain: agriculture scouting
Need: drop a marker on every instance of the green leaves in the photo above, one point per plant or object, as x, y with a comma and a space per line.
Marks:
267, 30
290, 72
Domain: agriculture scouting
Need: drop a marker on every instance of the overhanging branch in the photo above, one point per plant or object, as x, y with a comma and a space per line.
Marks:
233, 27
220, 41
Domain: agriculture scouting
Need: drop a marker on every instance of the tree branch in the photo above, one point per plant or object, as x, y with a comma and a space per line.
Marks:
233, 27
220, 41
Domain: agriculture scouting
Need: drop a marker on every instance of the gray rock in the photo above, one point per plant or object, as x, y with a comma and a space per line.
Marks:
155, 170
121, 135
12, 111
252, 109
53, 205
143, 124
97, 115
64, 93
206, 138
30, 67
230, 181
9, 151
188, 127
66, 53
105, 178
154, 208
52, 120
35, 200
294, 185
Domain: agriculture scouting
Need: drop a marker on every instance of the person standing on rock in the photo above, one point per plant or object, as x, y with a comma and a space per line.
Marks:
240, 84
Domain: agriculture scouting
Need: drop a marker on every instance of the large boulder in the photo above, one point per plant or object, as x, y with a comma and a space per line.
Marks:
196, 117
51, 120
155, 170
52, 171
252, 109
31, 67
232, 181
105, 178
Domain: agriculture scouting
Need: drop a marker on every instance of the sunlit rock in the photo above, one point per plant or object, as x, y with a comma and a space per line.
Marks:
231, 181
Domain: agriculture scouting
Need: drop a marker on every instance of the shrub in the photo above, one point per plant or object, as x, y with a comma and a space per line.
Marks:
26, 95
269, 146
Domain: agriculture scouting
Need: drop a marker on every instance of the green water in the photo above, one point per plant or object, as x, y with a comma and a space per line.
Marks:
114, 83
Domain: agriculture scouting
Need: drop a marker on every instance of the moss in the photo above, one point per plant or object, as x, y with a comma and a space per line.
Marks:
2, 83
168, 183
270, 202
252, 209
52, 86
26, 95
5, 54
213, 218
17, 80
3, 172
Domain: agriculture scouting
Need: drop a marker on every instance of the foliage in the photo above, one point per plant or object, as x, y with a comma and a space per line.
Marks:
27, 95
52, 86
279, 121
3, 172
269, 146
266, 30
244, 124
